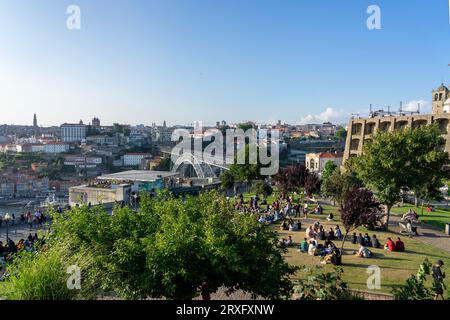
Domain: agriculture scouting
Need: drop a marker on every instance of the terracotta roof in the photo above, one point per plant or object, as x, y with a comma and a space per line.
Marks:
331, 155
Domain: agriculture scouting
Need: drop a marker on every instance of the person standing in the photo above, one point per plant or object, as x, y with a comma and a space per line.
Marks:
438, 280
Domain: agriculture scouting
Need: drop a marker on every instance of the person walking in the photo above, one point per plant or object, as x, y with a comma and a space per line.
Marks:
438, 280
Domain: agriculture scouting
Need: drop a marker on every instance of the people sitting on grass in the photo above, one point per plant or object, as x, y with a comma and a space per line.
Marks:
390, 245
287, 241
310, 233
331, 235
399, 245
375, 242
303, 247
312, 247
318, 210
321, 234
360, 240
367, 240
334, 258
330, 217
363, 252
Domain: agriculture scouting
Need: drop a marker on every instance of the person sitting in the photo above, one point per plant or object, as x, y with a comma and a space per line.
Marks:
367, 240
375, 242
293, 227
321, 234
360, 240
330, 217
331, 235
338, 233
334, 258
363, 252
399, 245
284, 226
310, 233
390, 245
299, 225
312, 247
288, 242
354, 238
303, 247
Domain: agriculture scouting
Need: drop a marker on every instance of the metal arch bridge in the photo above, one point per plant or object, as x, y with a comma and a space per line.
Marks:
204, 167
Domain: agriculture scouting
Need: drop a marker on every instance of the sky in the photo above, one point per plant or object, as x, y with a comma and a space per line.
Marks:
139, 62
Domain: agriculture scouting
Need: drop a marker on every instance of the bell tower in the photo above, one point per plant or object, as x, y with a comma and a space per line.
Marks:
439, 96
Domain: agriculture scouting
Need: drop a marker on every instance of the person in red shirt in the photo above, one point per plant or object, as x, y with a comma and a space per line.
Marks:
390, 245
399, 245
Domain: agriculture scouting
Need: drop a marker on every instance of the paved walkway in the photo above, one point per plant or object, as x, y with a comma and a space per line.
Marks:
427, 234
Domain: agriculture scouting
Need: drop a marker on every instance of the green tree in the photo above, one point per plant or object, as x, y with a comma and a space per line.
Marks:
227, 179
341, 134
170, 247
322, 286
330, 167
164, 165
247, 171
262, 188
339, 184
401, 160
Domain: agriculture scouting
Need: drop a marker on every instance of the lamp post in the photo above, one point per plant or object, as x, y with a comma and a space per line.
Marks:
7, 218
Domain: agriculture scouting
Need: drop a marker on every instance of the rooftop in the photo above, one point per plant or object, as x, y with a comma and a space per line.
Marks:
138, 175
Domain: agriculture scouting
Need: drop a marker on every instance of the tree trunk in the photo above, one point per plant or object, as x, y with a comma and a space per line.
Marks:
388, 213
342, 245
416, 202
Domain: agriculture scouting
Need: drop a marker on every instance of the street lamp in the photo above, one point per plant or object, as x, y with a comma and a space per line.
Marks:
7, 219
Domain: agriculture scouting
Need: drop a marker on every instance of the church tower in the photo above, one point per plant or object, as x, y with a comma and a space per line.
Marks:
35, 124
439, 97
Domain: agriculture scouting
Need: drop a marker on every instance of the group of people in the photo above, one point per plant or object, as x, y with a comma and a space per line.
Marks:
28, 244
37, 218
327, 250
282, 208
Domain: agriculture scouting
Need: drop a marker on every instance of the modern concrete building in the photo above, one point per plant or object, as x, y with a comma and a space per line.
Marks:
117, 187
361, 130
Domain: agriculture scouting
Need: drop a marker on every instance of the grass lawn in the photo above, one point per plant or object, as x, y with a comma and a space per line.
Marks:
396, 267
437, 218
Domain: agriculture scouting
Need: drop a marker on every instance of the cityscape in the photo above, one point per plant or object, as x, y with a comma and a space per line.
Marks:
135, 164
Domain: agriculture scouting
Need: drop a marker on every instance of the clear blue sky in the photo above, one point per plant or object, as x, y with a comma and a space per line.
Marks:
209, 60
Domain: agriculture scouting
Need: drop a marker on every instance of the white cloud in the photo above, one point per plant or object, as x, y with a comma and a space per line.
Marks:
328, 115
412, 106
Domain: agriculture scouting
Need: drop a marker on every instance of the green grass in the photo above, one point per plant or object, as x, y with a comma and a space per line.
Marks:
396, 267
437, 218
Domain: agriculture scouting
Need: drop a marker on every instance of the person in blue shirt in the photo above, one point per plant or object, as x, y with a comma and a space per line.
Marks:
303, 247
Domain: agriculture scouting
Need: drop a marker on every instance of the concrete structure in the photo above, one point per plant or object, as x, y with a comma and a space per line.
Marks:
361, 130
143, 180
315, 162
99, 194
73, 132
